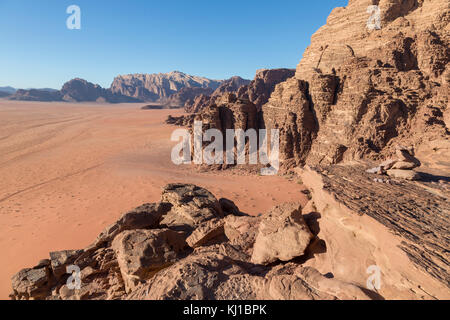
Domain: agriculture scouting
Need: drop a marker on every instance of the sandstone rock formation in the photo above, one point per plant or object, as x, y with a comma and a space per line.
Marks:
372, 89
187, 94
283, 235
397, 225
359, 92
184, 248
399, 167
261, 87
158, 87
142, 253
201, 101
256, 91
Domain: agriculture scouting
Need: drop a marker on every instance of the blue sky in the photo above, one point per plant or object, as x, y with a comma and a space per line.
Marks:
216, 39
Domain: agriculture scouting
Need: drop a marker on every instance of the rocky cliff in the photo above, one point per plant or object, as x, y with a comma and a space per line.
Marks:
359, 92
368, 90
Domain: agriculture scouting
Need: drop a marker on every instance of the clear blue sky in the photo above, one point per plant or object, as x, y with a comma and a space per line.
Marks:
215, 38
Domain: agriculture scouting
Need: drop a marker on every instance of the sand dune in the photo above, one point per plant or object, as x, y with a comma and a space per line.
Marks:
69, 170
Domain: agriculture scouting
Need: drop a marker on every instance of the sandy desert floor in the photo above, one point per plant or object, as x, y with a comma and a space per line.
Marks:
69, 170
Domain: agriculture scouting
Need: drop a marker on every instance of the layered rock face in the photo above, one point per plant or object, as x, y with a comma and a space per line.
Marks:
188, 246
158, 87
201, 101
368, 90
230, 85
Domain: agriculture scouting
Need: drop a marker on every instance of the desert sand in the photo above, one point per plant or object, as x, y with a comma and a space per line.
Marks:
69, 170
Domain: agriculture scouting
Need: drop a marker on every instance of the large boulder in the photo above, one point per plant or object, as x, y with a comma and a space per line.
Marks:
142, 253
61, 259
147, 216
191, 206
282, 235
206, 232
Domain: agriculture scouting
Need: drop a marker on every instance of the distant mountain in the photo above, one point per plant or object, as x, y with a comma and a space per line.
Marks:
43, 89
80, 90
158, 87
173, 88
8, 90
35, 95
75, 90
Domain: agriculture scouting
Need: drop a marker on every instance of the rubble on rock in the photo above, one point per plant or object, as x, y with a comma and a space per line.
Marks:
399, 167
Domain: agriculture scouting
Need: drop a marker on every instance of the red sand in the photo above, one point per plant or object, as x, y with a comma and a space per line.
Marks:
69, 170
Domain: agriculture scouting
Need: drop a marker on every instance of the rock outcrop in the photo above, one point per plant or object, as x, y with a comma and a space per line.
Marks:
261, 87
398, 225
256, 91
373, 89
400, 167
282, 235
187, 95
185, 248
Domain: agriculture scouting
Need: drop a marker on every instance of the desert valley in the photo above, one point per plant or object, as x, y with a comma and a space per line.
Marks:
358, 210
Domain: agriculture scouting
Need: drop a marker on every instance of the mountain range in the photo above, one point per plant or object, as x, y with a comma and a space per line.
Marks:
173, 88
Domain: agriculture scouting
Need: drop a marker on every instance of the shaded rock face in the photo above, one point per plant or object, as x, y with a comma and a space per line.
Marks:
256, 91
259, 89
230, 85
158, 87
369, 90
290, 111
146, 255
187, 96
203, 101
197, 104
142, 253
